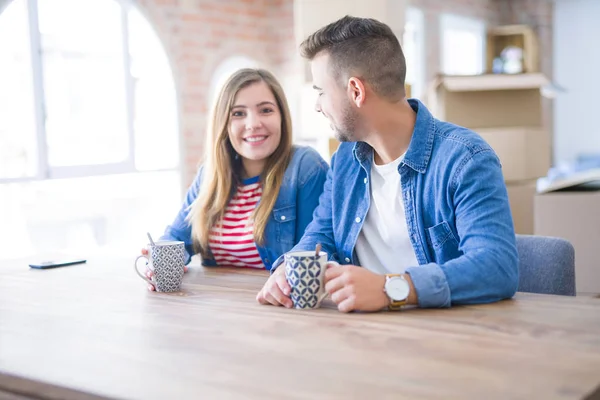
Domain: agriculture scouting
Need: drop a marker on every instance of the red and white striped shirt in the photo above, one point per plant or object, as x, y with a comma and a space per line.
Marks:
231, 240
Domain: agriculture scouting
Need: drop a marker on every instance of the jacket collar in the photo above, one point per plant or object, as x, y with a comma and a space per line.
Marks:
421, 144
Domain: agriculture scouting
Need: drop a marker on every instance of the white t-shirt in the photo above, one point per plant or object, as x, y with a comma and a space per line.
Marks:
383, 245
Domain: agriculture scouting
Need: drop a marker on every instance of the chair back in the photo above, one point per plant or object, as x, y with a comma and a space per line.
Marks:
546, 265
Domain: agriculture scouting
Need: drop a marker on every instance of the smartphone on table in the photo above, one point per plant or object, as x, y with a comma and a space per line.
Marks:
57, 263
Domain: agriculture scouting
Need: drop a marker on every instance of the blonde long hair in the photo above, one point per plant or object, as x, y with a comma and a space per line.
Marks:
223, 172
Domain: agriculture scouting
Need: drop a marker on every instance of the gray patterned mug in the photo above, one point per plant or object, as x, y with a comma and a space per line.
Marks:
167, 260
305, 272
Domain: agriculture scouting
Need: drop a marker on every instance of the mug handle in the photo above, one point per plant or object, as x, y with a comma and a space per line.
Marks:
325, 294
135, 266
321, 298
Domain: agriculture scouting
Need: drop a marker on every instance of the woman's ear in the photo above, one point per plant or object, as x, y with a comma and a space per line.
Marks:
356, 91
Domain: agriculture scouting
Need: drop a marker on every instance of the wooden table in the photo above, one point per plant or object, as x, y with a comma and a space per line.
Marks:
93, 330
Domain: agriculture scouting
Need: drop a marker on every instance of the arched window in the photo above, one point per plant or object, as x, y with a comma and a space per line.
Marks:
85, 89
87, 95
224, 71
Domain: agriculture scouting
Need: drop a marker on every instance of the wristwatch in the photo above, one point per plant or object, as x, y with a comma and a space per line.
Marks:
397, 289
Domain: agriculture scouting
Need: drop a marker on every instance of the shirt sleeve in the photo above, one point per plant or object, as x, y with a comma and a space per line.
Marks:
487, 270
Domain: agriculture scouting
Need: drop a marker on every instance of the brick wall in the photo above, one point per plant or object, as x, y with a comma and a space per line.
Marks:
199, 35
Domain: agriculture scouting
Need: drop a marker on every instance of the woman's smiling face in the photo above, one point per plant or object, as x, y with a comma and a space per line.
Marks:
255, 126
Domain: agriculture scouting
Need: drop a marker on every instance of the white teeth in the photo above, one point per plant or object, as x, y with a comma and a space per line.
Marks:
255, 139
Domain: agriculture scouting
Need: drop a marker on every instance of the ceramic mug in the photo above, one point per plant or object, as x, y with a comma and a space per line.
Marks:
305, 273
167, 260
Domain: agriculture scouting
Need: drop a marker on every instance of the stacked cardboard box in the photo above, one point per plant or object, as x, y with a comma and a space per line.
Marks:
506, 110
575, 216
569, 208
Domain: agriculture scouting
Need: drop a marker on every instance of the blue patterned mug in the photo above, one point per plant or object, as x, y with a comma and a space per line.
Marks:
305, 272
167, 260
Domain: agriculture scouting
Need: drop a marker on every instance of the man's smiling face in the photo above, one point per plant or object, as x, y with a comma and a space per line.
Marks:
333, 101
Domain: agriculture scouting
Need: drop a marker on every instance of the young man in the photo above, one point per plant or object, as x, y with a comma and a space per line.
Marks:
415, 208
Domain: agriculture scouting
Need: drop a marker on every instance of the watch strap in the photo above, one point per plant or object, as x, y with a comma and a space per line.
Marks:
394, 305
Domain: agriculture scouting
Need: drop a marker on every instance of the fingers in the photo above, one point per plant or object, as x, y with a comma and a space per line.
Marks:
277, 298
340, 288
274, 297
281, 290
276, 291
347, 305
149, 275
341, 295
185, 268
282, 283
345, 299
333, 285
261, 298
333, 272
335, 279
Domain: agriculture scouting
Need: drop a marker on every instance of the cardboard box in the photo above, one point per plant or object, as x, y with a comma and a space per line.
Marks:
525, 153
521, 196
489, 101
521, 36
574, 216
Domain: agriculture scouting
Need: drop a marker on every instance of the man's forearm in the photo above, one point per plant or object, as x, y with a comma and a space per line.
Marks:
465, 280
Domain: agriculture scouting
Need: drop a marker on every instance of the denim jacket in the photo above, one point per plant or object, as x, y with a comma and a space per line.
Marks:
456, 209
298, 197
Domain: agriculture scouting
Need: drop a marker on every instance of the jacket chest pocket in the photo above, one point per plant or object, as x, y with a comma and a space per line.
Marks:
443, 242
285, 224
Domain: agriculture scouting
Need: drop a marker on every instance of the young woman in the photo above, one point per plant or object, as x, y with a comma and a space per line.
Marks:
255, 193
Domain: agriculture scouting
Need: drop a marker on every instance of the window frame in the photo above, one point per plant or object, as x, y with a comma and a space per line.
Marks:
416, 16
44, 169
478, 26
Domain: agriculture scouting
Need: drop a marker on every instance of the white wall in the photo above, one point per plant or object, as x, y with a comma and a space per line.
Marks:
577, 69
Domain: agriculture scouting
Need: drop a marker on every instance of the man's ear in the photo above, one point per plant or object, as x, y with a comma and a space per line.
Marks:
356, 91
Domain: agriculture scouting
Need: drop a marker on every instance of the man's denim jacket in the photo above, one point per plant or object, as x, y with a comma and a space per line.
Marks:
456, 208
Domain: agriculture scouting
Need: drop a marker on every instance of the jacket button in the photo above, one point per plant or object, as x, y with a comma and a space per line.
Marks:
357, 220
283, 217
347, 259
266, 260
365, 180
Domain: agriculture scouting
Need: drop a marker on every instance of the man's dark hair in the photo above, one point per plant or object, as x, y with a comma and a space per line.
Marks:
361, 47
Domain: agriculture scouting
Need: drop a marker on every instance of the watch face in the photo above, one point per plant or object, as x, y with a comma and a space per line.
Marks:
397, 288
